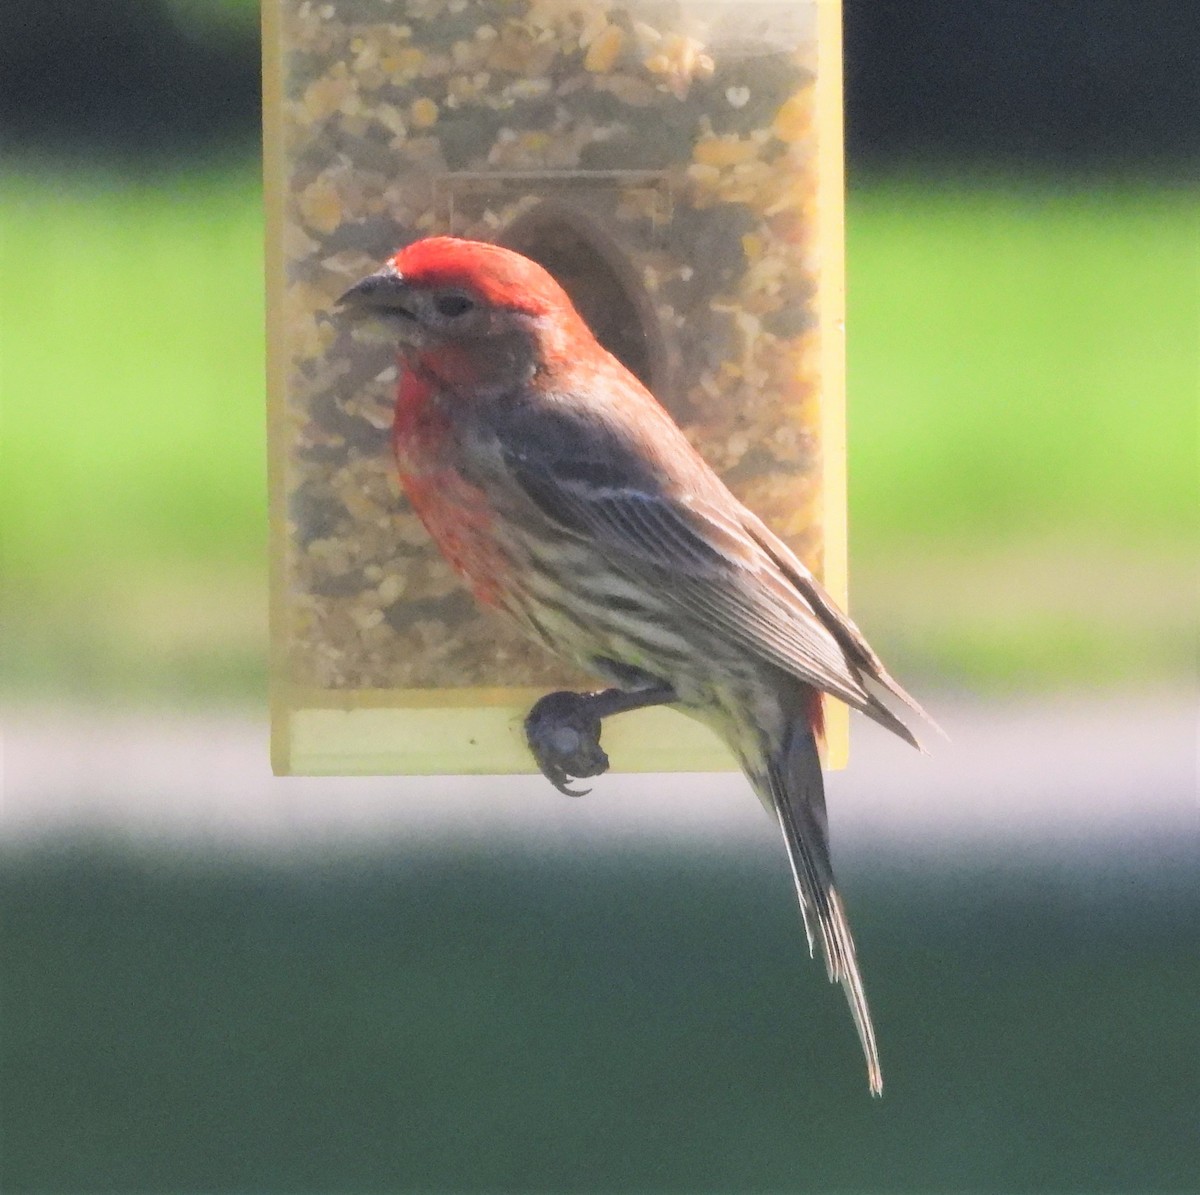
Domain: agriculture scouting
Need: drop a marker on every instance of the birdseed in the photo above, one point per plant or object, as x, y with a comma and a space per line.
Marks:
660, 160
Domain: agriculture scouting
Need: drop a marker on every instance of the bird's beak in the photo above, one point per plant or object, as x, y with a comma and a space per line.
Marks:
384, 293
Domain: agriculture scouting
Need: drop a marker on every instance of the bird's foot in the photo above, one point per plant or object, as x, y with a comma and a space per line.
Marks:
563, 733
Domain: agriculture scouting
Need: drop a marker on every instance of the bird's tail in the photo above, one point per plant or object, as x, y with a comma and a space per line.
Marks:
790, 782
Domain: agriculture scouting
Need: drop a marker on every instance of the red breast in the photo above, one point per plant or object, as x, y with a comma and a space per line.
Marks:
456, 513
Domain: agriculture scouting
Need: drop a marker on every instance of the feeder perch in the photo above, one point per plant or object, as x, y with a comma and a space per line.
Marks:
677, 166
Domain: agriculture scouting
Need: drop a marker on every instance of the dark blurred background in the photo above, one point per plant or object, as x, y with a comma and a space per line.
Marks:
1067, 85
216, 981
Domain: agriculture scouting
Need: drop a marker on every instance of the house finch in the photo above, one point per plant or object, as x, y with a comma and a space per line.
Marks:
565, 495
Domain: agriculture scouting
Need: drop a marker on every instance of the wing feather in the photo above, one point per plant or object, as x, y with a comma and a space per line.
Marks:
663, 518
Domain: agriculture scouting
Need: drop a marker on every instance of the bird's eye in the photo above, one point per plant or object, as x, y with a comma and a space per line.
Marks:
453, 305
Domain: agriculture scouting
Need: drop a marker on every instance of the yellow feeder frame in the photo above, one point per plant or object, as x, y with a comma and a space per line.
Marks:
679, 167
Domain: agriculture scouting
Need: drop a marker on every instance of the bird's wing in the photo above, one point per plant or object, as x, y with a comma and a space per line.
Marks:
849, 637
659, 514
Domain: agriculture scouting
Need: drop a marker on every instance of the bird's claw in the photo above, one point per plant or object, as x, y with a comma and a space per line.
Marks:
564, 738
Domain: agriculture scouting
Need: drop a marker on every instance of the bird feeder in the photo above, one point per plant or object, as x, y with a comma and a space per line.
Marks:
677, 166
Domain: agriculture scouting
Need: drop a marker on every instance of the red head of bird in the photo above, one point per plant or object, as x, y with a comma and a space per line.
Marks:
469, 311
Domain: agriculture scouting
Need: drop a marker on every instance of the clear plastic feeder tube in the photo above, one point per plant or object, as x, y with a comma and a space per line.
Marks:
678, 167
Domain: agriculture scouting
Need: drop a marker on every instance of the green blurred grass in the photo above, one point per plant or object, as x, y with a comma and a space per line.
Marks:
132, 502
1023, 363
1022, 382
473, 1021
133, 349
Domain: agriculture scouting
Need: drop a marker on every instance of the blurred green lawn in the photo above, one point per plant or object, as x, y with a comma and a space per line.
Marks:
1023, 380
607, 1021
